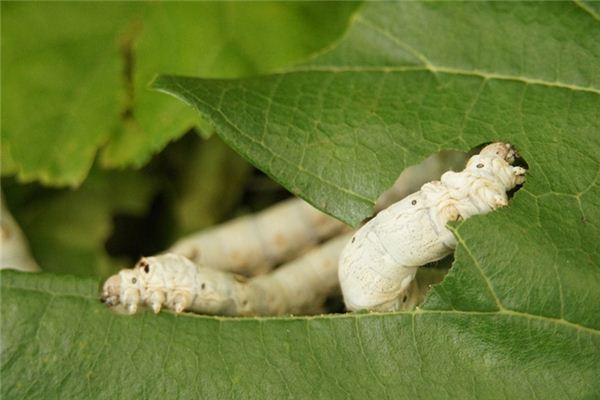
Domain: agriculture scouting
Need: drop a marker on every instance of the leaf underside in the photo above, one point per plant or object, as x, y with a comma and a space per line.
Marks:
518, 316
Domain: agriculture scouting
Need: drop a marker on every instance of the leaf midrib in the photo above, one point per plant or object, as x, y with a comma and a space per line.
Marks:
587, 9
429, 66
418, 311
361, 198
487, 76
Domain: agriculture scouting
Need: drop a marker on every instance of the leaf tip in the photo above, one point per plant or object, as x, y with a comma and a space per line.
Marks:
159, 82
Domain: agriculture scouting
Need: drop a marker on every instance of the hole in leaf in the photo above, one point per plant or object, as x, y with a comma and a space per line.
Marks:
410, 181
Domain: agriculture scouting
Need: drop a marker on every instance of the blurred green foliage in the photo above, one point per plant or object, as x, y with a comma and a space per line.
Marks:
75, 99
67, 229
75, 75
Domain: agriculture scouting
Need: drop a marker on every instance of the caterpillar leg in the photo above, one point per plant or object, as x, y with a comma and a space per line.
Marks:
131, 300
519, 175
179, 301
449, 212
156, 299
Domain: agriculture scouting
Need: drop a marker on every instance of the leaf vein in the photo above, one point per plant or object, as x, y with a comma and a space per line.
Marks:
278, 156
367, 362
449, 71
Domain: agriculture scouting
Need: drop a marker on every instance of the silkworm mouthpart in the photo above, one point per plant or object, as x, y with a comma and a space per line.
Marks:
111, 291
109, 300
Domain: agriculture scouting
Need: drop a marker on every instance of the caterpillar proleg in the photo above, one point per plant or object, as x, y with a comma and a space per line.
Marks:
379, 263
174, 282
254, 244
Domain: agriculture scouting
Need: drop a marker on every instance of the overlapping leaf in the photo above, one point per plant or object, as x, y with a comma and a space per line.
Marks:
411, 79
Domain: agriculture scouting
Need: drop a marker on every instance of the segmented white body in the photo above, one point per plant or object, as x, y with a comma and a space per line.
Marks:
254, 244
379, 263
173, 281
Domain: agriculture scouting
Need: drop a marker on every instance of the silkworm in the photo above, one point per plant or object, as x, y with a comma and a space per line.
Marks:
379, 263
254, 244
15, 252
174, 282
413, 177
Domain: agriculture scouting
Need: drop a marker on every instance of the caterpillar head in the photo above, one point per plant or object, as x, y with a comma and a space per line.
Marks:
494, 164
111, 290
124, 288
502, 150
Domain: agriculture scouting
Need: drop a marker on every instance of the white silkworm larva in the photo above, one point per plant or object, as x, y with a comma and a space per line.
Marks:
15, 251
254, 244
413, 177
173, 281
379, 263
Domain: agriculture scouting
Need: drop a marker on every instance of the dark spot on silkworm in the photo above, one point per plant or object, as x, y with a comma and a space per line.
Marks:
133, 280
203, 286
414, 202
146, 268
245, 302
480, 165
404, 298
353, 239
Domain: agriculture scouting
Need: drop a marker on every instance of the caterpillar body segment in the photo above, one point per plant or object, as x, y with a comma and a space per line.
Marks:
303, 284
254, 244
376, 245
174, 282
379, 263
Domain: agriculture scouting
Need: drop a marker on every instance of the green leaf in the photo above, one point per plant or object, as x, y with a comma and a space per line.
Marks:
232, 40
61, 87
518, 316
75, 75
339, 130
591, 6
410, 79
67, 229
59, 341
